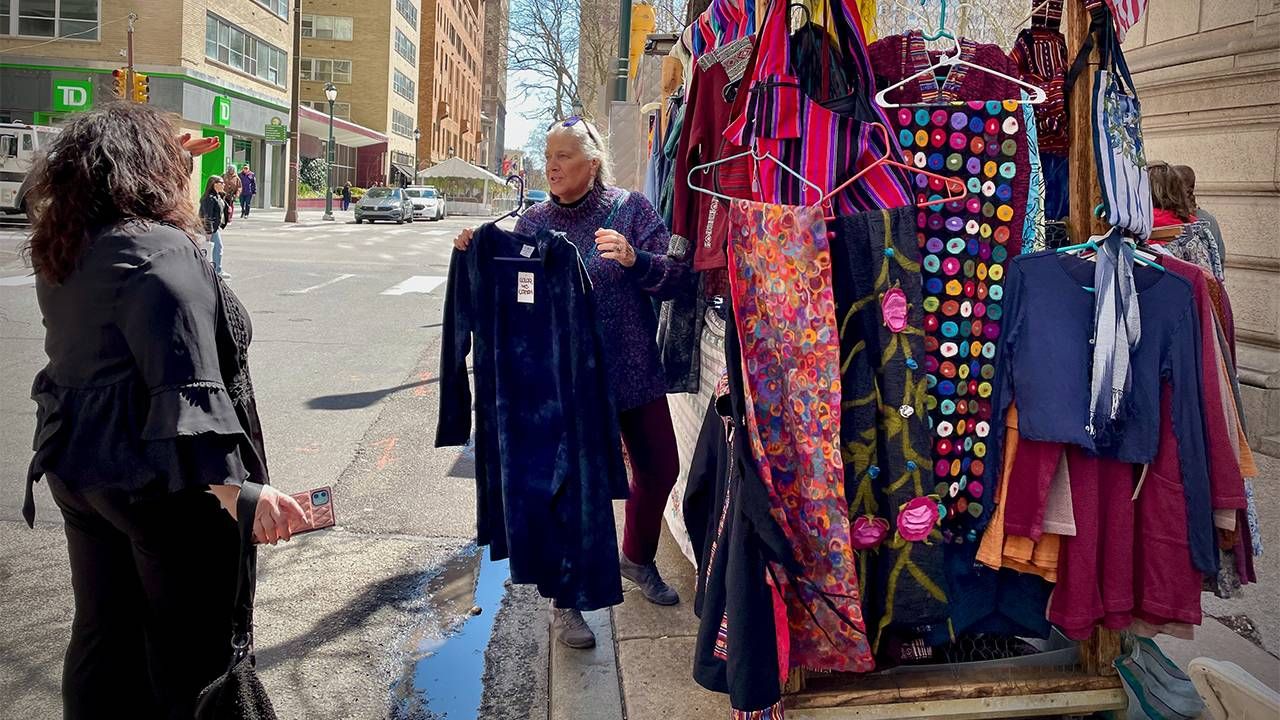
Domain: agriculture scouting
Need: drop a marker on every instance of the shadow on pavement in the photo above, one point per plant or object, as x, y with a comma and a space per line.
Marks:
359, 400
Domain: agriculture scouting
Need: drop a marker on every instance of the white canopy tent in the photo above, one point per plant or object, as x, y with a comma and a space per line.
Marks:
457, 171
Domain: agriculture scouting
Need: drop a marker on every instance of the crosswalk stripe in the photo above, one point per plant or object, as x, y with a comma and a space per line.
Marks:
416, 284
326, 283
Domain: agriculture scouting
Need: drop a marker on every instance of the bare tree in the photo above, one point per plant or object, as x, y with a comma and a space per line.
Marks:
597, 58
543, 49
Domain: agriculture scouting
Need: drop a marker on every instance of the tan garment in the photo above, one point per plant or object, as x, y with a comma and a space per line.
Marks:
1022, 554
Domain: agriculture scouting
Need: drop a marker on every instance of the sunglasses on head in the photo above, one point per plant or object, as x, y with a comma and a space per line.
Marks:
574, 120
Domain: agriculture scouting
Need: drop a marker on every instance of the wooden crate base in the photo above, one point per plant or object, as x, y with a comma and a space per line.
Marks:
951, 693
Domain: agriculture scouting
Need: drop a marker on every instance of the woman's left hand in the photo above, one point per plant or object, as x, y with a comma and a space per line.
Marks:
613, 246
199, 146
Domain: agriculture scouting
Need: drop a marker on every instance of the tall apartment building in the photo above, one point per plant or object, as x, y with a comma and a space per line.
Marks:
220, 67
493, 93
370, 52
449, 80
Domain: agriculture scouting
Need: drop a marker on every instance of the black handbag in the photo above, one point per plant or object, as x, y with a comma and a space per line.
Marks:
238, 694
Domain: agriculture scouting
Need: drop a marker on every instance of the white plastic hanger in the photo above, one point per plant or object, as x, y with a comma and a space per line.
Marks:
949, 61
755, 156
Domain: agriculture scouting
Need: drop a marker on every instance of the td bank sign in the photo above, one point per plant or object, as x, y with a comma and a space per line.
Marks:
72, 95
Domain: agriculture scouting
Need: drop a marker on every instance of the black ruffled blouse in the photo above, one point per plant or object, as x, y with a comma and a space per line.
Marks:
147, 388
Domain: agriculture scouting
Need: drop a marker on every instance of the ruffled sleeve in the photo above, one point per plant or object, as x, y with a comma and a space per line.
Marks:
169, 425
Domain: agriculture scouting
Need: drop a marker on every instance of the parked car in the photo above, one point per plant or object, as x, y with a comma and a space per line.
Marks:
384, 203
428, 202
533, 197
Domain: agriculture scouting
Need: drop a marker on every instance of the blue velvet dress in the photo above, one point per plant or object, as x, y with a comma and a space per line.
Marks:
548, 452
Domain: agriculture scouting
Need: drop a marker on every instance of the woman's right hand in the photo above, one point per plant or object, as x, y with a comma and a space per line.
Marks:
277, 516
463, 241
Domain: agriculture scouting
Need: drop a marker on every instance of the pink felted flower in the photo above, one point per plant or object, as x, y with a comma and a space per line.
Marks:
916, 518
869, 531
893, 306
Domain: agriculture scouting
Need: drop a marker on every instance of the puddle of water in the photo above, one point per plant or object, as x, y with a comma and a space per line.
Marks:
442, 677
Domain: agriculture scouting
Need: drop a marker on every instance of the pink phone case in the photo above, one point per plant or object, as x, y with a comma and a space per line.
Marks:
318, 505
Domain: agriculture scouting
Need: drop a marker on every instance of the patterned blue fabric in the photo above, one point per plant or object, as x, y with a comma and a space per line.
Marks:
547, 442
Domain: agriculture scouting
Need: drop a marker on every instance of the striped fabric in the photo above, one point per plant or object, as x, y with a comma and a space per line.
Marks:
1117, 141
1125, 13
773, 114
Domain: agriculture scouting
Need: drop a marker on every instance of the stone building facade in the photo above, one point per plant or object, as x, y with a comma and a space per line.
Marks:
221, 68
493, 92
1208, 74
371, 53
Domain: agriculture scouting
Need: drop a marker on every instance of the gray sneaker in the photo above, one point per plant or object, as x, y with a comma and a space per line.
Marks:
571, 629
651, 585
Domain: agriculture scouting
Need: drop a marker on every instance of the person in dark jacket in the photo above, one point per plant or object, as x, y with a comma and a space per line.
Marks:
230, 192
346, 196
248, 188
146, 426
213, 213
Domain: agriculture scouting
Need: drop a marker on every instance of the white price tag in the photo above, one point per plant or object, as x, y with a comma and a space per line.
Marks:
526, 251
524, 288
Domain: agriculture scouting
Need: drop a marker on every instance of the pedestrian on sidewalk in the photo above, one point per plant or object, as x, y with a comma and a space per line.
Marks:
213, 213
1188, 176
231, 190
346, 196
248, 188
624, 244
146, 424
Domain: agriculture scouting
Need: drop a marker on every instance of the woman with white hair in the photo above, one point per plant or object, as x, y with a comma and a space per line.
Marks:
623, 244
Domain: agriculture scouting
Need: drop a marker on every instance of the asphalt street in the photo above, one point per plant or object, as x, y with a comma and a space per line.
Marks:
347, 325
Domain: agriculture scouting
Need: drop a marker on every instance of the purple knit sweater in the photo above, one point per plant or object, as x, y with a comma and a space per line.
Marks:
624, 296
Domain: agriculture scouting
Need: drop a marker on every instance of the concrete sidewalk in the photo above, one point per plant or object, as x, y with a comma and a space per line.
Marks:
641, 668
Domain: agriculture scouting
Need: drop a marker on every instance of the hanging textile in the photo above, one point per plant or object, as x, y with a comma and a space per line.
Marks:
781, 285
884, 433
774, 116
548, 459
966, 248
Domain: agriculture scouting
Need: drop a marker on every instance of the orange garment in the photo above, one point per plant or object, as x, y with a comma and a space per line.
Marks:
1016, 553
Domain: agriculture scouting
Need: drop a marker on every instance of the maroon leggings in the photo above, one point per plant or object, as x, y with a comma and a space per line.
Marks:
650, 440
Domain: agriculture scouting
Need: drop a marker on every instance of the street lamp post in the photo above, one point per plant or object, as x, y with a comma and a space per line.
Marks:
331, 93
417, 135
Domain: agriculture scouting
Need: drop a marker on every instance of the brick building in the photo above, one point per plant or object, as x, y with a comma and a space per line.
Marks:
449, 85
493, 93
370, 52
224, 72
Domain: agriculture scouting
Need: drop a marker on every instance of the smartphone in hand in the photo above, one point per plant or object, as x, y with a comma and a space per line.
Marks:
318, 506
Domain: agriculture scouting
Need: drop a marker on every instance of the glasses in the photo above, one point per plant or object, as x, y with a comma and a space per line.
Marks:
574, 120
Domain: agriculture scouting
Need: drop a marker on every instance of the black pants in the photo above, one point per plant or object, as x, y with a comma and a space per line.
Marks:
245, 200
154, 582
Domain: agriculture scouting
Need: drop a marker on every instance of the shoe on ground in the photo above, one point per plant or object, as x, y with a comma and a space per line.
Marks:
224, 275
651, 585
571, 629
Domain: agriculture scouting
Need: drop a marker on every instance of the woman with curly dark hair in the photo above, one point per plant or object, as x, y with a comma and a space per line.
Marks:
146, 425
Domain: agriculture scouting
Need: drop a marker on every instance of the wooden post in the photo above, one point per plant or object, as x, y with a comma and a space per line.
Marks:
1097, 652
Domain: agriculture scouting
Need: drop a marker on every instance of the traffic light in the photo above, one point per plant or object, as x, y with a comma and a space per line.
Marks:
141, 88
119, 78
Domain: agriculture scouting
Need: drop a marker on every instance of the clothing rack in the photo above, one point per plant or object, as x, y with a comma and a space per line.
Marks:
1078, 683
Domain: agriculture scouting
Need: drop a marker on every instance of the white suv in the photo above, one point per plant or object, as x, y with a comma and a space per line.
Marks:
428, 202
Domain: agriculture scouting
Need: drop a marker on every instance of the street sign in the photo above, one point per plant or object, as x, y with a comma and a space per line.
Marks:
72, 95
276, 132
222, 111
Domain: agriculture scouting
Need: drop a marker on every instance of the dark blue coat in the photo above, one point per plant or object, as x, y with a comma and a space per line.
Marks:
548, 449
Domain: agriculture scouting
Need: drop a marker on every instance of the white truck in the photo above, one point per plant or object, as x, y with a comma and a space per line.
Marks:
20, 145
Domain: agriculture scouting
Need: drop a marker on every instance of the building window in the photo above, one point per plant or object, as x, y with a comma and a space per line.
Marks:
326, 27
325, 70
400, 158
76, 19
341, 110
247, 53
279, 7
401, 124
409, 11
402, 85
405, 47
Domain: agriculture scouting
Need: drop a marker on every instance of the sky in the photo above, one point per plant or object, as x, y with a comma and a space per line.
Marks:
518, 126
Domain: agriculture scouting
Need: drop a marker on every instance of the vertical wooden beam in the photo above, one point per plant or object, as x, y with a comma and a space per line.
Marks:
1097, 652
1083, 182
